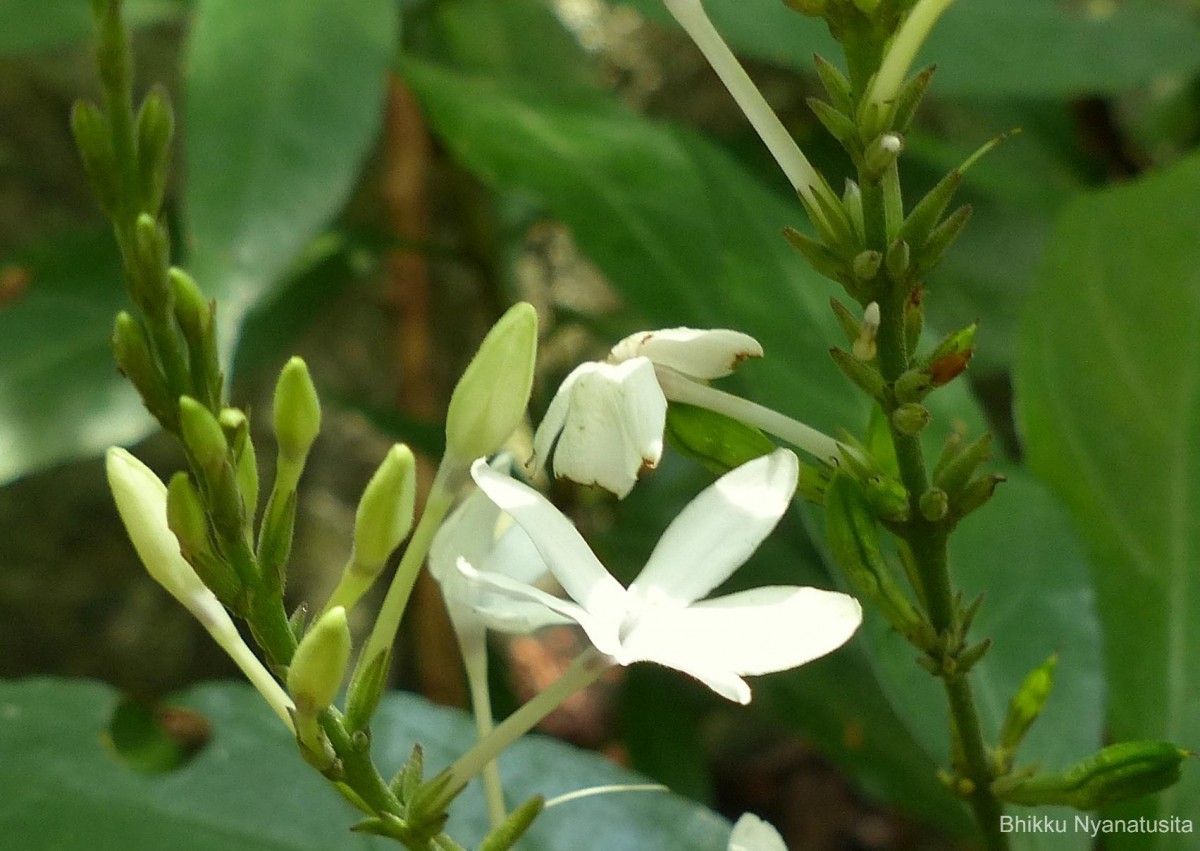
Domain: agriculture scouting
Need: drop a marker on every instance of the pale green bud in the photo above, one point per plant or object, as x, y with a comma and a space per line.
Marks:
297, 412
490, 399
237, 430
319, 663
911, 417
882, 152
185, 515
934, 504
155, 127
202, 434
385, 512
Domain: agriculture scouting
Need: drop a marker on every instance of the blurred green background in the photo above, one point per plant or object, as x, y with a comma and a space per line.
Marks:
369, 183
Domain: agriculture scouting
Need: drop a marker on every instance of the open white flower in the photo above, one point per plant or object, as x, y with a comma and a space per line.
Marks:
658, 619
751, 833
608, 418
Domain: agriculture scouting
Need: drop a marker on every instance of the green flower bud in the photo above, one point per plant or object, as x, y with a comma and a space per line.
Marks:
132, 351
155, 128
385, 512
866, 266
977, 492
202, 435
93, 138
490, 399
897, 260
953, 477
911, 418
913, 386
507, 834
1026, 705
853, 204
297, 412
148, 283
186, 516
1117, 773
881, 153
237, 431
192, 310
319, 663
934, 504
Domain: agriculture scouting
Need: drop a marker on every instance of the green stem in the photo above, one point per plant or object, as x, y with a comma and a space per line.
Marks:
358, 771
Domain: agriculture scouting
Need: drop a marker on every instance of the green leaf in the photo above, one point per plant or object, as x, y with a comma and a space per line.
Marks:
249, 790
1109, 388
994, 48
689, 237
27, 26
60, 392
281, 104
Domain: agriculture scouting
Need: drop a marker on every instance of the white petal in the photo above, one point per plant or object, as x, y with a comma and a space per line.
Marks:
694, 353
565, 552
613, 427
677, 655
753, 834
510, 606
141, 499
718, 530
469, 532
752, 632
556, 416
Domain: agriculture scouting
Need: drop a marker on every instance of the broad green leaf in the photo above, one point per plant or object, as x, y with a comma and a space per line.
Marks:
27, 26
1109, 389
689, 237
994, 48
282, 101
60, 392
248, 789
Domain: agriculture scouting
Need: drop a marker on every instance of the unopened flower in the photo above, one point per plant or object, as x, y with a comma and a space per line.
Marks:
751, 833
661, 617
142, 503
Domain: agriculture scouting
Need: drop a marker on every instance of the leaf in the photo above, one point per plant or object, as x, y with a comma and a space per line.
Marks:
27, 26
993, 48
1108, 379
281, 104
689, 237
60, 391
248, 789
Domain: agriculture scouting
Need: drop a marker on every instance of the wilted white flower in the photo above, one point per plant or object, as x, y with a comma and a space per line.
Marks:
661, 617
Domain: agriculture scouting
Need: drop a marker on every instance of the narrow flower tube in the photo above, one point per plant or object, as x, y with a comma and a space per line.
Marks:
901, 53
799, 171
141, 500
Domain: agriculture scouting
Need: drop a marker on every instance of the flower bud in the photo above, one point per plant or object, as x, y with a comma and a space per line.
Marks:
148, 285
155, 127
94, 140
1114, 774
951, 356
132, 351
913, 386
237, 431
864, 345
866, 266
1025, 707
881, 153
934, 504
490, 399
977, 492
911, 418
297, 412
186, 516
202, 435
192, 310
897, 260
385, 512
954, 475
319, 663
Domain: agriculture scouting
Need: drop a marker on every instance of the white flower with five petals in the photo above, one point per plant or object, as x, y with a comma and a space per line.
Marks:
661, 617
605, 424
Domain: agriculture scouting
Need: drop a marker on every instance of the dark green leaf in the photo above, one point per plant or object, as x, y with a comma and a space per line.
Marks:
1109, 385
249, 790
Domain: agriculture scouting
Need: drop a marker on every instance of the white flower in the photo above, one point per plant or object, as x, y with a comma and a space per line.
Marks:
658, 618
608, 418
753, 834
141, 499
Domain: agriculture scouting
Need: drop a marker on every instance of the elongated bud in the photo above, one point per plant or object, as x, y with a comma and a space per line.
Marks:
934, 504
192, 310
155, 128
897, 260
853, 204
237, 432
385, 512
490, 399
911, 417
1117, 773
514, 827
93, 138
864, 375
881, 153
148, 282
1026, 706
864, 345
186, 516
835, 82
132, 351
297, 412
203, 435
977, 493
319, 664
